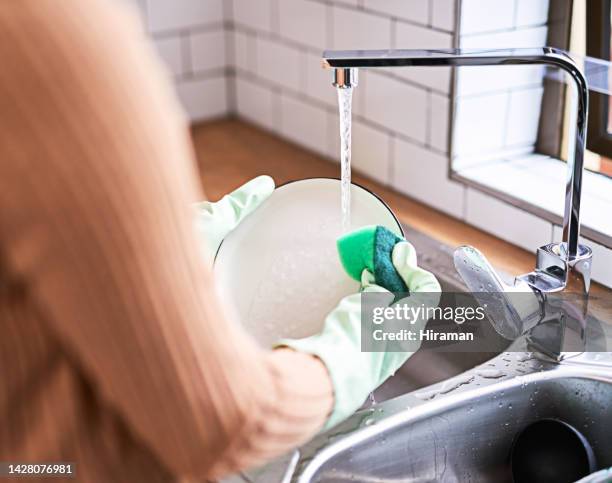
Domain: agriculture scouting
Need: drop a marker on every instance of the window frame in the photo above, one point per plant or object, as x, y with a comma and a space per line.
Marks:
551, 141
598, 29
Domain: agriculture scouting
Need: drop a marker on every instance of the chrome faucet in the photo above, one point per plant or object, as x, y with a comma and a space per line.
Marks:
555, 294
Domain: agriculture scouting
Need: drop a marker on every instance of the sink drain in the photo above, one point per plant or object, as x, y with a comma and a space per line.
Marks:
551, 451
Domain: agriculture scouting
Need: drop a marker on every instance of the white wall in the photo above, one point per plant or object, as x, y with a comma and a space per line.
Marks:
401, 127
498, 108
191, 36
260, 59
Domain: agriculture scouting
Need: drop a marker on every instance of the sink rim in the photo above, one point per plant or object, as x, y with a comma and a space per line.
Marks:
304, 472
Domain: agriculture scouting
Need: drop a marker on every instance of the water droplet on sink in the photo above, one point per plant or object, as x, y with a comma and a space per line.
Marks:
490, 373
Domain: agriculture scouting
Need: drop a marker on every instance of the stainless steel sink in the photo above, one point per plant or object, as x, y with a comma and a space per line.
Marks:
466, 433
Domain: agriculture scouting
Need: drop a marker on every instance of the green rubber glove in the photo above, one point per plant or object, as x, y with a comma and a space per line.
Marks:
603, 476
213, 221
354, 373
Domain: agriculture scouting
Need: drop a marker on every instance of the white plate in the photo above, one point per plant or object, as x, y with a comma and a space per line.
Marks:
280, 270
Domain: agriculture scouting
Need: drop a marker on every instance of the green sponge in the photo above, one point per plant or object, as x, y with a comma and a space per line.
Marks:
371, 247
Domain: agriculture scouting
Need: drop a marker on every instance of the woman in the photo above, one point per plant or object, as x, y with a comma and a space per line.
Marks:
115, 353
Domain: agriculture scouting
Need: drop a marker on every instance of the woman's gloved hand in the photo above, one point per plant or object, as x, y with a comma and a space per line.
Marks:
354, 373
602, 476
214, 221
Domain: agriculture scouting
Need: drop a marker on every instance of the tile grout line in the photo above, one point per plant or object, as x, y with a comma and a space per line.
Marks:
386, 15
230, 60
392, 160
514, 14
194, 28
186, 59
428, 120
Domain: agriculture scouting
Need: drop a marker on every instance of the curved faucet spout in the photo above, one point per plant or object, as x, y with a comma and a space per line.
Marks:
344, 60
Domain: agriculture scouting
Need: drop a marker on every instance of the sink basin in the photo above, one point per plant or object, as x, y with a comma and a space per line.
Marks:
468, 436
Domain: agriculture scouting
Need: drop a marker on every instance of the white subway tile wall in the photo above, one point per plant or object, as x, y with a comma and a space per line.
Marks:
304, 23
523, 116
333, 139
279, 59
279, 63
529, 12
486, 15
515, 92
191, 37
207, 50
260, 59
439, 122
507, 222
396, 106
423, 174
182, 14
253, 14
304, 123
245, 53
414, 10
272, 62
437, 79
372, 152
479, 124
170, 50
356, 29
256, 104
443, 14
412, 36
203, 98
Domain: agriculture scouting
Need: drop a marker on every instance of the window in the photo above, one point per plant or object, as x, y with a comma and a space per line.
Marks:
599, 139
512, 129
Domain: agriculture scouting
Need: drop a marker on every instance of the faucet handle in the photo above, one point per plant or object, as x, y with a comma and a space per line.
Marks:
476, 271
514, 309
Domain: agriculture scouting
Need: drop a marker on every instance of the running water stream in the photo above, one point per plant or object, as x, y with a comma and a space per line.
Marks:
345, 98
345, 102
